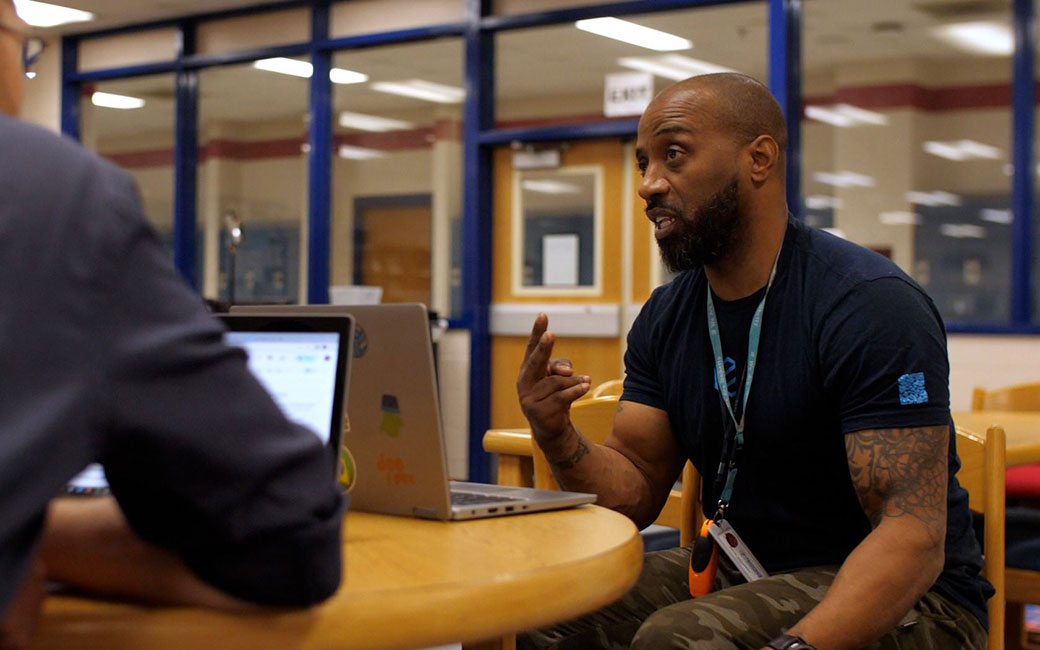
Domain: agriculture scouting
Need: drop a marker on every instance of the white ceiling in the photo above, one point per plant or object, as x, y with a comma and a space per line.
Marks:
115, 13
540, 67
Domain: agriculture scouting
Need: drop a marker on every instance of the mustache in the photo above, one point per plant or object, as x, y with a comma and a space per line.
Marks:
657, 204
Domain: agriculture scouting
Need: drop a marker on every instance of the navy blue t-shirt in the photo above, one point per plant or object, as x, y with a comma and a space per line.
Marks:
849, 342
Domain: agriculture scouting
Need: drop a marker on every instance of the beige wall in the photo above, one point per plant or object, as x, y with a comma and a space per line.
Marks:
990, 362
42, 101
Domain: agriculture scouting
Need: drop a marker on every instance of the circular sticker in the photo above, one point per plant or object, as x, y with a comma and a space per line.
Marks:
347, 469
360, 342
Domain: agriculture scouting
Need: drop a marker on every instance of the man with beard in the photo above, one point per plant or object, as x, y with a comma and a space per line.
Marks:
835, 413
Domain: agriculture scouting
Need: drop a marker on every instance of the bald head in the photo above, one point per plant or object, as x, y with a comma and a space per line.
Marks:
736, 103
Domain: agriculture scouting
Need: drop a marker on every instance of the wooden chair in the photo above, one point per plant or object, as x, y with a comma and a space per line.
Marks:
594, 417
1022, 586
1020, 397
982, 475
611, 387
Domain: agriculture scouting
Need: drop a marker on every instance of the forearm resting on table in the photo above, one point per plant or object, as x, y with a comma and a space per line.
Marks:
582, 466
88, 545
877, 585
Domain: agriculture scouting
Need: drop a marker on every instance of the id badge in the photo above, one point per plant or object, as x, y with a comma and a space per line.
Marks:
737, 551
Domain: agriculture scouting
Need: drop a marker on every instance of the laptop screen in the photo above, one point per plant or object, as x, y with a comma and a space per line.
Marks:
298, 369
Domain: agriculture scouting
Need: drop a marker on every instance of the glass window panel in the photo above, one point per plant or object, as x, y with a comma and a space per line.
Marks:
907, 144
249, 32
253, 173
135, 48
397, 185
355, 17
556, 74
558, 213
140, 140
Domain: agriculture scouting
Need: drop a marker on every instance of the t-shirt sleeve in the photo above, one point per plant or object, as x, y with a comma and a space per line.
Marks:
642, 377
198, 455
883, 358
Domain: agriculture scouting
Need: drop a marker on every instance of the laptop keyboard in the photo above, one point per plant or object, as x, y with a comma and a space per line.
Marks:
473, 498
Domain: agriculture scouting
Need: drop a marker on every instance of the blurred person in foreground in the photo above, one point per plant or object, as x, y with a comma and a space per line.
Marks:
829, 449
107, 356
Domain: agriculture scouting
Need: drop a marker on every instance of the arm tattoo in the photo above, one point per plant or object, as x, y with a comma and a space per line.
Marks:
620, 407
899, 472
572, 460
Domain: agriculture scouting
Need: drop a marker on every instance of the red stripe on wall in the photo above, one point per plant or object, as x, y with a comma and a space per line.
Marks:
422, 138
951, 98
140, 159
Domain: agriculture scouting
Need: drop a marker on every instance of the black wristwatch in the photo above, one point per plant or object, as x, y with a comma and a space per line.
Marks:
788, 642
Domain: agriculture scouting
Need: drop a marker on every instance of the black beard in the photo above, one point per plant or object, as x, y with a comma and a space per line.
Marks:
705, 236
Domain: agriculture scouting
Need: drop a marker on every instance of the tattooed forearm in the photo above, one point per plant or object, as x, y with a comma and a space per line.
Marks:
899, 472
572, 460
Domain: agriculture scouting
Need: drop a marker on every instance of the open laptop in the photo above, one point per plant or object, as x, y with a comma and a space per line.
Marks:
394, 424
304, 363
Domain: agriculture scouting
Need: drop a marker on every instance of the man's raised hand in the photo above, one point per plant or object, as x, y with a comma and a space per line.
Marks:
547, 387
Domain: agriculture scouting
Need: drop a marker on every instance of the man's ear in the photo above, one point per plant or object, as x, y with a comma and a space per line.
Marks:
765, 158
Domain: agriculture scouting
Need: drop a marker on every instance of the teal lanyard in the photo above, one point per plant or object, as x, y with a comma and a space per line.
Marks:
754, 334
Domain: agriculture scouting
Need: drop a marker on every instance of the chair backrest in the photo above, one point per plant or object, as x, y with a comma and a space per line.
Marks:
982, 475
612, 387
1020, 397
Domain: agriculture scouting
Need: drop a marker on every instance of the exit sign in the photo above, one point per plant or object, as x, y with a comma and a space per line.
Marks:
627, 93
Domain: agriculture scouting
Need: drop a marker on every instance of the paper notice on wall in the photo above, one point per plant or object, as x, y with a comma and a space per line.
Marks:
560, 260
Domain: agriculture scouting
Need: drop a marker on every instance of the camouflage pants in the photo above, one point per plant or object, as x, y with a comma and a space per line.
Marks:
659, 613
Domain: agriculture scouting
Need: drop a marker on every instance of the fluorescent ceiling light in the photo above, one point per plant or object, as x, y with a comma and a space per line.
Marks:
933, 199
550, 187
844, 179
421, 89
359, 153
671, 66
375, 123
123, 102
829, 116
963, 231
899, 218
283, 65
993, 215
622, 30
344, 77
961, 150
822, 202
982, 37
304, 69
42, 14
861, 115
844, 115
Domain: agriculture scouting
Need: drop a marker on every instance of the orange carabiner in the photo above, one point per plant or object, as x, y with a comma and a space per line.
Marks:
703, 562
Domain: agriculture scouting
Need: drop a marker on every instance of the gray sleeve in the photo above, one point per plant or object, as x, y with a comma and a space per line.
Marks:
199, 457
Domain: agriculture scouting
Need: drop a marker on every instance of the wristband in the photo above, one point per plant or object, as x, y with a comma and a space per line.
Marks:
788, 642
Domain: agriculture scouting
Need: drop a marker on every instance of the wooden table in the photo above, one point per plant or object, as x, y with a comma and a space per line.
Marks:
409, 583
1022, 429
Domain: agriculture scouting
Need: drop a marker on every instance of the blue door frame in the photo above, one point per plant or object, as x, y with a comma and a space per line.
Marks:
480, 136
